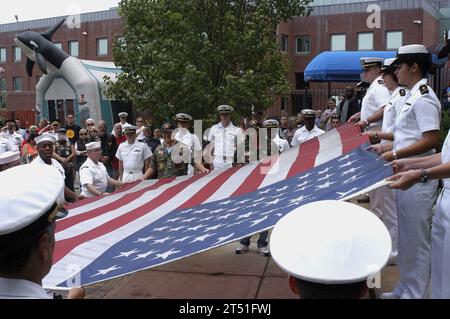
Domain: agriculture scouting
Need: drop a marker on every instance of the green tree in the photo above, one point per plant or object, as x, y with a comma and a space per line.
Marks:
192, 56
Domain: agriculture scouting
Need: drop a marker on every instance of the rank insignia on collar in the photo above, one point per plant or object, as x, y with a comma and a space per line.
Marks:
380, 82
402, 92
424, 89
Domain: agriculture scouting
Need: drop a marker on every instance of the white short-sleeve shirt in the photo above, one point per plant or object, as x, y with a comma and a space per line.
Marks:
303, 135
55, 163
376, 96
420, 113
390, 109
94, 174
11, 288
225, 140
14, 141
133, 156
282, 144
189, 139
445, 157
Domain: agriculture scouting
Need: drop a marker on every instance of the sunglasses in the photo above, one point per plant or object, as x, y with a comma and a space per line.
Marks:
93, 131
83, 133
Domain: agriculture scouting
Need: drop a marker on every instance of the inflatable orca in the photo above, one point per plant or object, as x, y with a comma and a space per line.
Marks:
39, 48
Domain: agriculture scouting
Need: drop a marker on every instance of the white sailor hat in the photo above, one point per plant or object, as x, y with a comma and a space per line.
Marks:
225, 109
46, 137
9, 157
93, 146
271, 123
183, 117
330, 242
387, 64
128, 128
308, 113
34, 203
123, 114
370, 61
412, 53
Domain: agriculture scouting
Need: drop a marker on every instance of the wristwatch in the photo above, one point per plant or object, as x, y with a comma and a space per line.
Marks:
394, 155
424, 178
377, 138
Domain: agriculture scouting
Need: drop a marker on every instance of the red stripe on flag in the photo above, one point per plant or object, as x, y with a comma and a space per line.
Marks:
256, 177
349, 137
63, 247
209, 189
306, 158
71, 221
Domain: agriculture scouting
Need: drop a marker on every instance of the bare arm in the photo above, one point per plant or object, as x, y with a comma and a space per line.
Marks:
429, 141
148, 169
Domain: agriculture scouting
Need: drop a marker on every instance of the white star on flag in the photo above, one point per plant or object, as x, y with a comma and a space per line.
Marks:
214, 227
105, 271
274, 202
201, 238
145, 255
162, 240
181, 239
167, 254
195, 227
144, 240
343, 194
221, 239
127, 253
256, 222
325, 185
224, 216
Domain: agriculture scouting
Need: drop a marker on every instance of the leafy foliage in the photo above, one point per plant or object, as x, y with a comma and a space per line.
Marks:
191, 56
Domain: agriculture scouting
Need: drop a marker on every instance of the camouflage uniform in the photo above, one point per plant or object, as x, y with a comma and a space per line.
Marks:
172, 161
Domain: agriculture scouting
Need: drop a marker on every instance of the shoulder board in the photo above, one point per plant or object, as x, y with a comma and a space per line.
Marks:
380, 82
402, 92
408, 103
424, 89
83, 167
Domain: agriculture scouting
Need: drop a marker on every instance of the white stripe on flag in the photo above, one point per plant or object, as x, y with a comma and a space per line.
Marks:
330, 147
279, 170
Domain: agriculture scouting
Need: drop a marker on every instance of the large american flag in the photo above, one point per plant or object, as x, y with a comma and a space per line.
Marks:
151, 223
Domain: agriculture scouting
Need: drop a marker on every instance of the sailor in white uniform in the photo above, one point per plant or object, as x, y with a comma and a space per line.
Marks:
309, 130
134, 158
227, 140
27, 231
94, 178
416, 135
183, 135
330, 253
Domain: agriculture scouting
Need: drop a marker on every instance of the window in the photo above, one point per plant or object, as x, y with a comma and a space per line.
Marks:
302, 44
17, 54
365, 41
73, 48
102, 46
284, 103
394, 39
338, 42
58, 45
284, 43
3, 87
2, 54
17, 84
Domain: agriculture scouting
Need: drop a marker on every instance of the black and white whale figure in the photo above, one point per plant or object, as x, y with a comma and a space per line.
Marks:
58, 66
39, 48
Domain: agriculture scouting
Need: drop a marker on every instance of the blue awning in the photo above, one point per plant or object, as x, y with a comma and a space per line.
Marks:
344, 66
340, 66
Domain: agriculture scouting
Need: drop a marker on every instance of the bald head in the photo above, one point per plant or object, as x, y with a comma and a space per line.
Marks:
101, 127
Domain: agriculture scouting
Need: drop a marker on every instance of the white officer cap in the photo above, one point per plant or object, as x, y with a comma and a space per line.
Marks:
308, 113
30, 202
9, 157
123, 114
271, 123
128, 128
412, 53
387, 63
46, 137
183, 117
223, 109
370, 61
330, 242
93, 145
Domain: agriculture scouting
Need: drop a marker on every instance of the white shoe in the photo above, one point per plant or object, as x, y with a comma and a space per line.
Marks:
264, 251
388, 295
241, 249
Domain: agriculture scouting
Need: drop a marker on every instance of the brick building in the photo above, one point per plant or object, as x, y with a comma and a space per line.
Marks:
333, 25
342, 26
